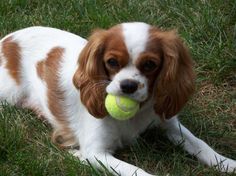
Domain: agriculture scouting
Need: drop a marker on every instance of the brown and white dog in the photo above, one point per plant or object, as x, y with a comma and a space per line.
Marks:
65, 78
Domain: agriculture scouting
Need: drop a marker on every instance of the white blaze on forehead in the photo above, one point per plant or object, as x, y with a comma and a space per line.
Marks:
135, 36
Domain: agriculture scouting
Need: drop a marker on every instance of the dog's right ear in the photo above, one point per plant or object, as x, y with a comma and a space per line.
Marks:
90, 77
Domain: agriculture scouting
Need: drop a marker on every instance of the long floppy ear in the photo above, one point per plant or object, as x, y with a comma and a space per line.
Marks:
90, 77
175, 84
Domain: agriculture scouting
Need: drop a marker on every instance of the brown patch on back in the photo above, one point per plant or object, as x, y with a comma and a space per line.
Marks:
11, 51
54, 92
49, 71
40, 69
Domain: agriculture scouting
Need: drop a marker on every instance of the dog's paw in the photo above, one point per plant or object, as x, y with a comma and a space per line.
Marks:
227, 165
76, 153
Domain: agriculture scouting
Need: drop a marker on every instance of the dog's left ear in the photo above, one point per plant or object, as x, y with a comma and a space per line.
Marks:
175, 83
90, 77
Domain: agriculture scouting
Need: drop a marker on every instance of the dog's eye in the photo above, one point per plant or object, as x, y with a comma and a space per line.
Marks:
149, 66
112, 62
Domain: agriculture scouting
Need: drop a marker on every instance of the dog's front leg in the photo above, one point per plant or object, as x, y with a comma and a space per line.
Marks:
98, 139
178, 134
114, 165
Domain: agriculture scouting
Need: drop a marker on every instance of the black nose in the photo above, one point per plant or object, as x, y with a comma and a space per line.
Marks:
128, 86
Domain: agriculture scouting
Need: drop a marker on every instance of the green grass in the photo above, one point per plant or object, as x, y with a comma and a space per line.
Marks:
209, 30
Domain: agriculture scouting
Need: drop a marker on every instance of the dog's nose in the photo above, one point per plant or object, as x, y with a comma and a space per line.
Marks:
128, 86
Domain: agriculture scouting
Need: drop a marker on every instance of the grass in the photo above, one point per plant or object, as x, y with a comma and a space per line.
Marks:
209, 30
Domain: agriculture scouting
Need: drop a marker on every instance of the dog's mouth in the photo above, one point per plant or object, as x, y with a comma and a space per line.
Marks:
135, 97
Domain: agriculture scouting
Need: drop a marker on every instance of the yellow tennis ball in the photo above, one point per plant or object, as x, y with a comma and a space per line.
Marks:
120, 107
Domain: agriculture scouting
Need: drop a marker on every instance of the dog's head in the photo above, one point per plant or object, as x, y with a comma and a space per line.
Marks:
135, 60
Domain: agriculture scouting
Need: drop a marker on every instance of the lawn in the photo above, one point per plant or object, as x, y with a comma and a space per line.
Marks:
208, 28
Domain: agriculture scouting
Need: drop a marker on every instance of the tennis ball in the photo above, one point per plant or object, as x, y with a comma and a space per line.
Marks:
120, 107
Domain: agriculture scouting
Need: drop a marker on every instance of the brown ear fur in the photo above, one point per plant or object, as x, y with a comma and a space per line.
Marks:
91, 77
175, 83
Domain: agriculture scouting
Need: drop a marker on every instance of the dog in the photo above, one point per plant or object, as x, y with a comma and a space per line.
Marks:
65, 79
